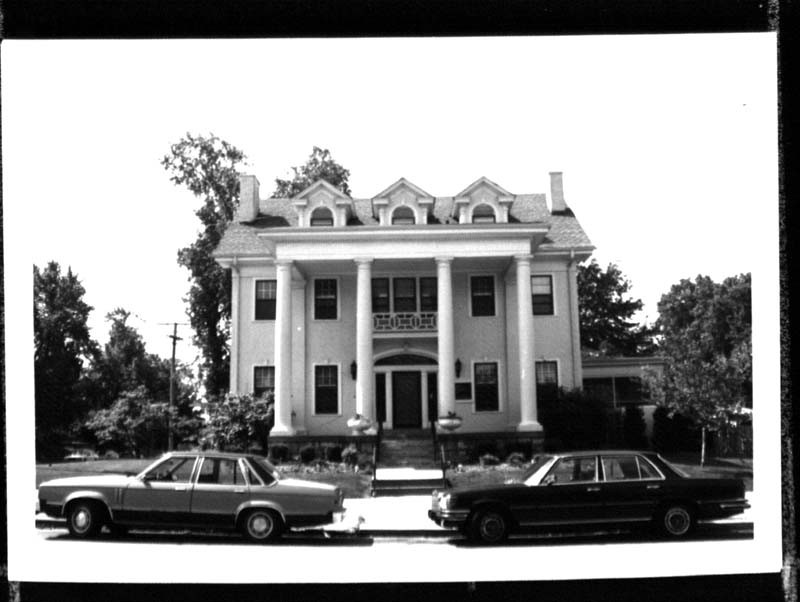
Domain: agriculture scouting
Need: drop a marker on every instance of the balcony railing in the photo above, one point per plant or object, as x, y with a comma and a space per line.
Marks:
405, 321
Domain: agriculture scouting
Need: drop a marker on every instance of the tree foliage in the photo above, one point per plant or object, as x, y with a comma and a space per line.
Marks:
606, 313
208, 167
319, 166
62, 345
239, 421
705, 332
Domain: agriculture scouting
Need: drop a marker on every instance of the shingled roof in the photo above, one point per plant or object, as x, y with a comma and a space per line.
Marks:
241, 238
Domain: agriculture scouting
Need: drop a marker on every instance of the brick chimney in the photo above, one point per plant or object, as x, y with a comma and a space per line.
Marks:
557, 202
248, 198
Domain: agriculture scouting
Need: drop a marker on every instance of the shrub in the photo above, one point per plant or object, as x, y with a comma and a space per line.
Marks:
673, 433
489, 460
634, 427
350, 455
111, 455
516, 458
333, 453
575, 419
308, 454
278, 453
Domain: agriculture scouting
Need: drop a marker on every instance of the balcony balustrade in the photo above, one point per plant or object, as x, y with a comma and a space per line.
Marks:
405, 321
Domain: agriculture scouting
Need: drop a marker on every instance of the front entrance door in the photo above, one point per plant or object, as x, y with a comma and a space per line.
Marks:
406, 399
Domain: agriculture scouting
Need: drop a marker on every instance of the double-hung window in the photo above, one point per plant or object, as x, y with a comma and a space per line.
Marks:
427, 294
487, 398
263, 380
542, 295
326, 389
546, 380
405, 294
482, 291
380, 296
325, 299
265, 299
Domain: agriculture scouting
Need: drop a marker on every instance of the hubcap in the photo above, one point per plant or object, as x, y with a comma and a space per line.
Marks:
81, 519
492, 527
677, 521
260, 525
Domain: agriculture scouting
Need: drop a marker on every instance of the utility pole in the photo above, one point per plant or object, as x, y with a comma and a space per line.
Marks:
175, 338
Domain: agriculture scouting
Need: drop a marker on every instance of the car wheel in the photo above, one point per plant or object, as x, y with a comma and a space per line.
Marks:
262, 525
84, 520
489, 526
676, 520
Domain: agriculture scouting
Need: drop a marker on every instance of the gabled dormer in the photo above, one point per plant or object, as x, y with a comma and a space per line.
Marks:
483, 201
322, 204
402, 203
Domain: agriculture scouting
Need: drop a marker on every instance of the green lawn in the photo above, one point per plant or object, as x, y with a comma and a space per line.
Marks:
356, 484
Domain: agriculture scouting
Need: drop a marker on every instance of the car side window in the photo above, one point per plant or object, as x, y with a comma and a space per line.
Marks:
176, 470
620, 468
220, 471
573, 470
647, 470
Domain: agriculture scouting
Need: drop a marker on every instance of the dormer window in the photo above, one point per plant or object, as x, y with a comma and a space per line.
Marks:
483, 214
403, 216
321, 216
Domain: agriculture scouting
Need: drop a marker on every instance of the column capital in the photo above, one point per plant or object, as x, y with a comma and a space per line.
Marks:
444, 259
523, 259
284, 263
363, 262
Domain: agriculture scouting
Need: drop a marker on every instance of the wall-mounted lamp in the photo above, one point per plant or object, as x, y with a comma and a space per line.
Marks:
353, 369
458, 367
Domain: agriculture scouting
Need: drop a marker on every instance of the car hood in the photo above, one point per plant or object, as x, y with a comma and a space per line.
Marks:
311, 486
485, 490
106, 480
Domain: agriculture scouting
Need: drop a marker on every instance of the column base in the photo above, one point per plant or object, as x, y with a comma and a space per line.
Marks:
281, 430
530, 427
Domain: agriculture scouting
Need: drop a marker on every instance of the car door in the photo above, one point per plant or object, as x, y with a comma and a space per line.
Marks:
219, 490
569, 493
631, 487
162, 495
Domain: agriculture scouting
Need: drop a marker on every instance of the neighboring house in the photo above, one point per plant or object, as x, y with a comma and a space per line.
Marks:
404, 307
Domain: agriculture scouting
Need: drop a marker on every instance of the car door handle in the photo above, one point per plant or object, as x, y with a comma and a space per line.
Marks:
238, 490
592, 489
654, 486
180, 487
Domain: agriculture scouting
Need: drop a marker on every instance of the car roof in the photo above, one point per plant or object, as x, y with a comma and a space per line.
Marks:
211, 452
602, 452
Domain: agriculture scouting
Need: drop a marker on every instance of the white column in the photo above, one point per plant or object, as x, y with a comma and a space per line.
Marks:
446, 344
233, 386
364, 386
527, 364
283, 350
575, 331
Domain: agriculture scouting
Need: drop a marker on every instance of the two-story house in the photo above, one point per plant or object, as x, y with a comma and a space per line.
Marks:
404, 307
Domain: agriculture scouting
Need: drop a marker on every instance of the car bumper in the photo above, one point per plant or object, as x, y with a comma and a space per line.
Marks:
721, 508
449, 519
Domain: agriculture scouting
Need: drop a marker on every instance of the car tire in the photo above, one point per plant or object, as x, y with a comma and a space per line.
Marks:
84, 519
261, 525
488, 526
675, 521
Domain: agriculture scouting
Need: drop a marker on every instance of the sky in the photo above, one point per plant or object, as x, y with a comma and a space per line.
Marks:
668, 144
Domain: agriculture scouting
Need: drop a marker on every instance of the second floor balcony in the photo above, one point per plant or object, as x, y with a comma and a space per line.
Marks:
404, 321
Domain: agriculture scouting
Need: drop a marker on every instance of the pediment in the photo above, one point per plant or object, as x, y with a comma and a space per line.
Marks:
403, 192
321, 193
485, 190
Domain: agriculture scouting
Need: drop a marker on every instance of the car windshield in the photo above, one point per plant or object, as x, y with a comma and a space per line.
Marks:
538, 467
265, 470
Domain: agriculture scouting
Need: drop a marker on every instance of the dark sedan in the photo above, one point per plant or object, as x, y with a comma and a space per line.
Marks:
590, 488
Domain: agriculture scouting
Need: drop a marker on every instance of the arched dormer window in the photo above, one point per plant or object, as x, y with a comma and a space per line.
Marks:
403, 216
483, 214
321, 216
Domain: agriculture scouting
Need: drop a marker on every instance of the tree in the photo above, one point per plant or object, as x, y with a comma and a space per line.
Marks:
606, 310
208, 167
705, 331
319, 166
62, 344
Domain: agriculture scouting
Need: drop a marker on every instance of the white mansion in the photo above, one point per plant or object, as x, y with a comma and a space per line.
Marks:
404, 307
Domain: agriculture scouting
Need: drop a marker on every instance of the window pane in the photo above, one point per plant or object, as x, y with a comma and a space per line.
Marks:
174, 469
486, 387
483, 214
542, 295
326, 385
547, 380
403, 215
380, 295
405, 294
322, 217
620, 468
574, 470
646, 470
325, 299
263, 380
482, 295
629, 389
428, 294
265, 299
